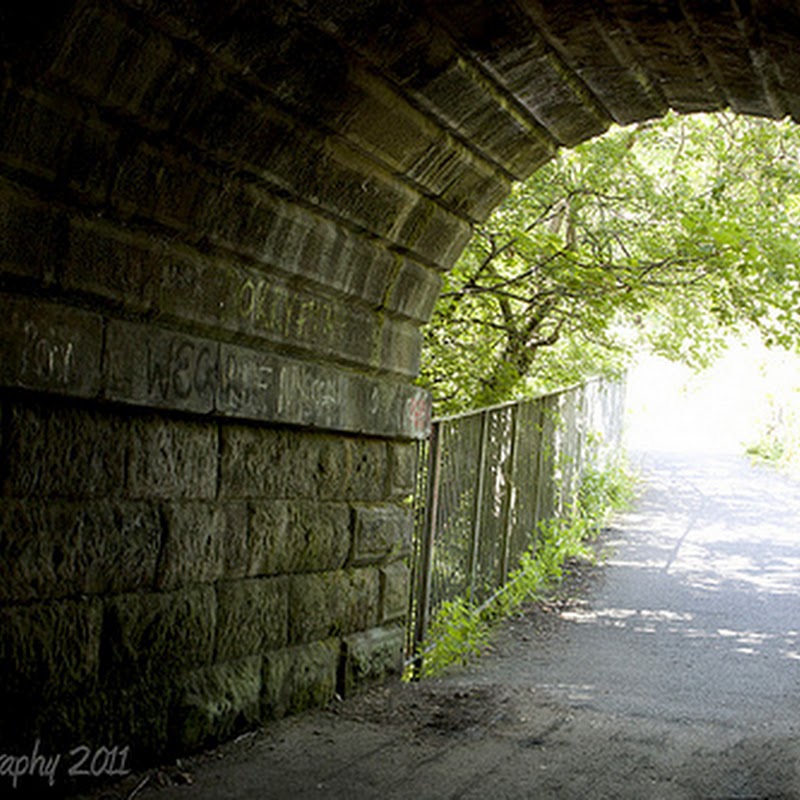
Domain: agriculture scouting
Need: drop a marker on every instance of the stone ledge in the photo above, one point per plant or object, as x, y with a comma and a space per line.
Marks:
57, 349
155, 367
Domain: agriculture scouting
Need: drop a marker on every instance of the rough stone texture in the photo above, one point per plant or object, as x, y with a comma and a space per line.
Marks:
49, 649
381, 533
215, 703
395, 583
221, 226
62, 452
252, 617
156, 633
195, 542
332, 603
402, 471
370, 656
300, 677
76, 548
298, 537
172, 459
262, 462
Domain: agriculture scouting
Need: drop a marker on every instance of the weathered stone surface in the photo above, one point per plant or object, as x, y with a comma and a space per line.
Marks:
155, 367
332, 603
395, 584
90, 547
297, 537
107, 262
298, 678
381, 533
48, 346
372, 655
256, 539
262, 462
148, 634
414, 292
195, 543
172, 459
31, 235
402, 470
215, 703
63, 452
50, 649
400, 348
252, 617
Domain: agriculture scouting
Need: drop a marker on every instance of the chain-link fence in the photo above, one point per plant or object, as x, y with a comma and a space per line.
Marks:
486, 479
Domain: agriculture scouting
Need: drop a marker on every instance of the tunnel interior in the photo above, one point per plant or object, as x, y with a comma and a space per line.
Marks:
221, 228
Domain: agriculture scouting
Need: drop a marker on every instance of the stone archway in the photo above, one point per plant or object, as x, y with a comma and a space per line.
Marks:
222, 227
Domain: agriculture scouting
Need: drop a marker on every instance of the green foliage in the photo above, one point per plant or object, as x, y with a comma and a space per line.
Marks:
458, 634
667, 235
779, 442
460, 630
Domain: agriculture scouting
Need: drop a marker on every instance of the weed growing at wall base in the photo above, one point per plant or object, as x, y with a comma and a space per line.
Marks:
460, 630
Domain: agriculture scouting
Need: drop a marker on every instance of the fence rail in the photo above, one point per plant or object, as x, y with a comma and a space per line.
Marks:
486, 480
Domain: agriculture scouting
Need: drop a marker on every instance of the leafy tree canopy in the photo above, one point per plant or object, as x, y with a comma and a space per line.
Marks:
669, 235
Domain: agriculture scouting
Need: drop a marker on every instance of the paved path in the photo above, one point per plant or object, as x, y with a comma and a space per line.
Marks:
678, 676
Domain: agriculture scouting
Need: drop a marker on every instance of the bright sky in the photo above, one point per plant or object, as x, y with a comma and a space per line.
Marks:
720, 410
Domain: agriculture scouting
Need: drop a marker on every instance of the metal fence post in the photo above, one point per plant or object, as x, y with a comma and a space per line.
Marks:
510, 500
477, 512
426, 544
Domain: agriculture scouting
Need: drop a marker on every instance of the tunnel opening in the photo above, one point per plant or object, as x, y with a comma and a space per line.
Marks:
222, 227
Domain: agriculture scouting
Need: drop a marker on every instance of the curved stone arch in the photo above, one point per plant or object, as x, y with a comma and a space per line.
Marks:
223, 225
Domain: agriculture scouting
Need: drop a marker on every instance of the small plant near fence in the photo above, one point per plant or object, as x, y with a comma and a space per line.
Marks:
461, 629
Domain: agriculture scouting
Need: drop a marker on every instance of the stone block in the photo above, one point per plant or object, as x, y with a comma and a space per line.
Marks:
50, 649
332, 603
256, 539
270, 308
252, 617
381, 533
63, 452
216, 703
156, 367
281, 235
51, 550
402, 470
200, 290
174, 191
298, 678
36, 134
89, 165
172, 459
261, 462
367, 478
195, 541
415, 291
395, 583
298, 537
319, 536
401, 345
371, 656
31, 236
49, 346
92, 51
110, 264
148, 633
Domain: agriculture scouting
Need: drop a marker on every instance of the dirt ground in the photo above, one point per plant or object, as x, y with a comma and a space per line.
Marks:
670, 671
